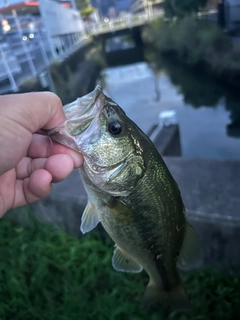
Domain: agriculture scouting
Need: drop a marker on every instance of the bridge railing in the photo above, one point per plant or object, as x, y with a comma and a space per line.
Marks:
128, 21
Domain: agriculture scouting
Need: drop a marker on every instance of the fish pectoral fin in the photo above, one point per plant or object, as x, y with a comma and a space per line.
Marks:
122, 261
190, 247
89, 218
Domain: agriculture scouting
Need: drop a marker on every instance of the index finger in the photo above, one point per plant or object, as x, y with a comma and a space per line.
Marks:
42, 147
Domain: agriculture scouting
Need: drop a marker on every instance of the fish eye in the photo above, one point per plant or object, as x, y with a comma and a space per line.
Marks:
114, 128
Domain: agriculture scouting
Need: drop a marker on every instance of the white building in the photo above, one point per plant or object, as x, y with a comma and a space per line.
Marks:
34, 33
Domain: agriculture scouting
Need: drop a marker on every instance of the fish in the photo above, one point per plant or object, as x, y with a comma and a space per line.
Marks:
132, 193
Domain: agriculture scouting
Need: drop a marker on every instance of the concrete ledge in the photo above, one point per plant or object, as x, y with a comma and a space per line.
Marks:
167, 140
210, 190
211, 194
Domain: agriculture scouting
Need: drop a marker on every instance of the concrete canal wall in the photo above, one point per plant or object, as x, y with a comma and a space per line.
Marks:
70, 78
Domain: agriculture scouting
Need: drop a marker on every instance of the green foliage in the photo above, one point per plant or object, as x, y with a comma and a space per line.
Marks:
176, 8
195, 41
46, 274
30, 81
87, 12
95, 55
196, 86
74, 76
30, 84
190, 38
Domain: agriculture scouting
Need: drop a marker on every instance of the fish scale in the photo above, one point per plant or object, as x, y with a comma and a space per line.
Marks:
149, 215
132, 193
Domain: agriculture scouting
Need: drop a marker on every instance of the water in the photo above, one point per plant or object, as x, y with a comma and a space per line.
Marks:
208, 114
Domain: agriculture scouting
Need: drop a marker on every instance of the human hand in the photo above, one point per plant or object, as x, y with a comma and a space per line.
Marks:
30, 162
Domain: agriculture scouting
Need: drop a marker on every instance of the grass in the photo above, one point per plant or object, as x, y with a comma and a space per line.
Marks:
46, 274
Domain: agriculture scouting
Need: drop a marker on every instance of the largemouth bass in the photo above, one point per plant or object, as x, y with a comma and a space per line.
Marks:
132, 193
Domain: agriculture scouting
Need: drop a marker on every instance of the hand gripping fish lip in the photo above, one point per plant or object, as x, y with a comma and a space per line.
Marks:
80, 115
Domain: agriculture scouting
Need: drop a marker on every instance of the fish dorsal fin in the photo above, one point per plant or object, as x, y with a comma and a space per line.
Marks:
190, 247
122, 261
89, 218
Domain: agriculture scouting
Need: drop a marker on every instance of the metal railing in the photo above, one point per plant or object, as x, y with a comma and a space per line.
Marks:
26, 49
144, 6
129, 21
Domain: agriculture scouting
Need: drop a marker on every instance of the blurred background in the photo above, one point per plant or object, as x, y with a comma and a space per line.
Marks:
174, 67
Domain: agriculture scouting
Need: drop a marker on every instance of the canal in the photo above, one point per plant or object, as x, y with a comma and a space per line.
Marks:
208, 113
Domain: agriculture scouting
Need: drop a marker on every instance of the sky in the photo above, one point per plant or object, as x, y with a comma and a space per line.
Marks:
123, 4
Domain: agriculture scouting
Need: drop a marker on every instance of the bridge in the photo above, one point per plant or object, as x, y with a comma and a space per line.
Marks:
123, 23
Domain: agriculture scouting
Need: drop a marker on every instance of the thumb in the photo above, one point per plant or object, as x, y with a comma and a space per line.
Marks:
33, 110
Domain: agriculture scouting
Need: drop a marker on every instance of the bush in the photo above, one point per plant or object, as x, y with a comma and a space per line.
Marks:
194, 41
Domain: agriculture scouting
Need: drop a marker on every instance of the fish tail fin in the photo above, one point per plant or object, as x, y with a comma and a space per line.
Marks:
175, 300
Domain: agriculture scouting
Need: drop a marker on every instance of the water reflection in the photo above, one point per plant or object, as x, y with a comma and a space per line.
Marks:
198, 88
232, 103
119, 43
208, 113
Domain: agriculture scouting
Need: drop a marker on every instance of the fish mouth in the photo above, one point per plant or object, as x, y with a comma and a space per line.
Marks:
84, 107
80, 116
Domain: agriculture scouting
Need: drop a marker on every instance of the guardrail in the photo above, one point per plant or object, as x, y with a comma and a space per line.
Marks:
26, 49
128, 21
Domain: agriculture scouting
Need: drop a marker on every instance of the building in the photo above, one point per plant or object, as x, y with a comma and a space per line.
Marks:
58, 17
7, 3
34, 33
228, 14
232, 15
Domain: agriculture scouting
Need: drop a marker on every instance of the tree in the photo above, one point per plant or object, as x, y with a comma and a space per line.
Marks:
86, 13
181, 8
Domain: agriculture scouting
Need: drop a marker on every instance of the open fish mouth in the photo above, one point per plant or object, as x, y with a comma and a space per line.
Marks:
84, 107
80, 115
